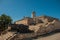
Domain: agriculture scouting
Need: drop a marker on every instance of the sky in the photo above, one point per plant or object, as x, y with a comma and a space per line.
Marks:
17, 9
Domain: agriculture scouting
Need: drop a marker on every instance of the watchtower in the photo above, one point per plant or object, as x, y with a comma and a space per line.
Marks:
33, 14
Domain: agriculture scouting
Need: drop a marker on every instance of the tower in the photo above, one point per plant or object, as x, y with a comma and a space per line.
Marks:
33, 14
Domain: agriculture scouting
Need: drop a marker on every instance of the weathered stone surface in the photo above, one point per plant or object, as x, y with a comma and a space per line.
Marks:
45, 27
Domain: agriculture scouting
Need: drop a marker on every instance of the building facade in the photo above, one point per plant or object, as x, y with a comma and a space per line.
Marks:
27, 20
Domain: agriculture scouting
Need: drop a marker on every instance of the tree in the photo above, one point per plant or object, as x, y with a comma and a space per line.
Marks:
5, 21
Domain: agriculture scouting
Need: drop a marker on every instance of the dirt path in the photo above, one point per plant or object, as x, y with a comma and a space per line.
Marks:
50, 37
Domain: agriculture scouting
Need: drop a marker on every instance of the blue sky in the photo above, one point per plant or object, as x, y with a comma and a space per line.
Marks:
19, 8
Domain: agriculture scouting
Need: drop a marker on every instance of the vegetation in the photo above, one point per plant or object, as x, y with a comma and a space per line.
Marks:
4, 21
21, 28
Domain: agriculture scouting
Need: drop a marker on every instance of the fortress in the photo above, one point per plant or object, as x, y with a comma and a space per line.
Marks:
35, 19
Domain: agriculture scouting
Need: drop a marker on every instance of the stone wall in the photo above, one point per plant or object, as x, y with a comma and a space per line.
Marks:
28, 21
25, 22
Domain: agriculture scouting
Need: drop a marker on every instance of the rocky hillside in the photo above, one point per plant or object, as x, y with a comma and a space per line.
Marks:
41, 29
49, 24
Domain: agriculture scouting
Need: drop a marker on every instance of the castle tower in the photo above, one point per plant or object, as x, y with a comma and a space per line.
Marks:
33, 14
